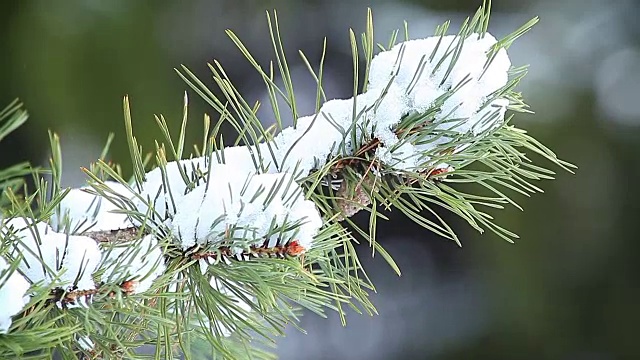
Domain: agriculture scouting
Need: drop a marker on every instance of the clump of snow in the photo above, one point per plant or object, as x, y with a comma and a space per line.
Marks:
52, 257
13, 294
389, 106
314, 138
419, 69
140, 261
402, 157
412, 77
89, 212
156, 189
238, 205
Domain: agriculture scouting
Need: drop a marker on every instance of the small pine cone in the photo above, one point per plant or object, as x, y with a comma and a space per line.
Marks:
350, 204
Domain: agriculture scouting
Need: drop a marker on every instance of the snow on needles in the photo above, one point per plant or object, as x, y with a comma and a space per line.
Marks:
158, 184
13, 294
89, 212
413, 77
58, 260
239, 206
67, 261
139, 262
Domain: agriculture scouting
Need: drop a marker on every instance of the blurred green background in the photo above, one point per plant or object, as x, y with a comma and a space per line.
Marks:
567, 289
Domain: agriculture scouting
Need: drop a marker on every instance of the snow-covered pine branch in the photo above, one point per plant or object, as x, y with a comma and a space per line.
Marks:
239, 207
247, 229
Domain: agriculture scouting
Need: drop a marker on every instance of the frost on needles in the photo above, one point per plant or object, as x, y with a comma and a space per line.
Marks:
245, 231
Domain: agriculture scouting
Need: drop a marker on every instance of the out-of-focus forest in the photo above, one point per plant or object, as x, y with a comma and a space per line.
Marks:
567, 289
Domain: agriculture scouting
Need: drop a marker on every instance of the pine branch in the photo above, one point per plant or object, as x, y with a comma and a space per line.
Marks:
225, 247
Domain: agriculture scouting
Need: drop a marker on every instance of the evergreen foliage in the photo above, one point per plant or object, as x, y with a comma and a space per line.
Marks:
231, 298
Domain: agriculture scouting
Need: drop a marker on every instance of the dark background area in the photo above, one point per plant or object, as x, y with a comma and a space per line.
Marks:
567, 289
